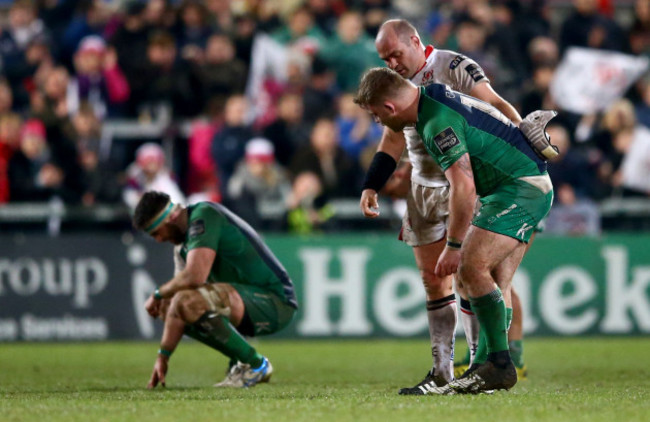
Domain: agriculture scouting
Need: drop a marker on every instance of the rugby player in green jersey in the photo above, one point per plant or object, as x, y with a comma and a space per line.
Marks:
482, 154
227, 284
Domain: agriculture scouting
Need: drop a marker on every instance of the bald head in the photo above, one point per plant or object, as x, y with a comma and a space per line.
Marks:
398, 28
399, 46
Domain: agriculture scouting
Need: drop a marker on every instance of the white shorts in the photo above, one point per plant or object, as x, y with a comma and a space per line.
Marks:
425, 219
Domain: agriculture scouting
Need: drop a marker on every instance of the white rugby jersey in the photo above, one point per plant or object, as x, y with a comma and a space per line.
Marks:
461, 74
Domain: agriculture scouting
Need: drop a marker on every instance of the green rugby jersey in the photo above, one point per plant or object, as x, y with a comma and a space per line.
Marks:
452, 124
241, 257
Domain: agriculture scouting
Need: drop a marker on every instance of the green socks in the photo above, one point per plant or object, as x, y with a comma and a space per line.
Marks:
490, 310
217, 332
517, 352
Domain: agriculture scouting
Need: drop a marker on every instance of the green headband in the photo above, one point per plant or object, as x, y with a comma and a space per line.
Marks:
160, 219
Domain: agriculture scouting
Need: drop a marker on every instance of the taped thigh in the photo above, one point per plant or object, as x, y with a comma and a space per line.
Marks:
218, 297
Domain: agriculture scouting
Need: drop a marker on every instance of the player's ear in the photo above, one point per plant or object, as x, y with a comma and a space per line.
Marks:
174, 216
390, 107
415, 40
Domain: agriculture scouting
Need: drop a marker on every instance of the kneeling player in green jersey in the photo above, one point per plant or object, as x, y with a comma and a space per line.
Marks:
227, 284
482, 153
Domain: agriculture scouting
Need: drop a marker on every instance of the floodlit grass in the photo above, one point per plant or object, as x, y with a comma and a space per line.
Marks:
593, 379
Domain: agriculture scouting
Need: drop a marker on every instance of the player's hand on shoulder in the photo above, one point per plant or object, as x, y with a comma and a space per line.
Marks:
368, 203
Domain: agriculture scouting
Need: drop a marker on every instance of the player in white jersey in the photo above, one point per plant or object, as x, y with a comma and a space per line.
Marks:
424, 223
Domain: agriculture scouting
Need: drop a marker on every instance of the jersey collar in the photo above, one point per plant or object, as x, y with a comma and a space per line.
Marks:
427, 52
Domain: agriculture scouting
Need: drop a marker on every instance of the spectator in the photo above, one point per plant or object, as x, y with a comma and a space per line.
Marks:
10, 124
639, 34
244, 35
6, 97
356, 129
220, 15
258, 179
222, 74
571, 167
159, 15
166, 80
148, 172
35, 174
543, 51
324, 16
573, 216
642, 108
612, 141
130, 42
193, 29
504, 36
471, 36
301, 31
22, 72
537, 96
635, 167
574, 211
288, 132
90, 19
98, 79
350, 52
101, 181
338, 174
202, 181
24, 26
308, 210
586, 27
50, 104
319, 95
229, 143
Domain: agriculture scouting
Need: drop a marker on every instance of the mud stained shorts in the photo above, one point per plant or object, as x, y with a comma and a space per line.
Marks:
266, 312
425, 219
514, 210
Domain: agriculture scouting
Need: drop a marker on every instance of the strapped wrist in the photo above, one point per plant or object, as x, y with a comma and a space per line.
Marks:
156, 294
454, 243
380, 170
165, 353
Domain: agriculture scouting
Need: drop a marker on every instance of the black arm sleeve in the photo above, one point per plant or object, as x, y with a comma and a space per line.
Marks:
380, 170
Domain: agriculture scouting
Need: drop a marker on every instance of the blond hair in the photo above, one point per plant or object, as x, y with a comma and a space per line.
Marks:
378, 84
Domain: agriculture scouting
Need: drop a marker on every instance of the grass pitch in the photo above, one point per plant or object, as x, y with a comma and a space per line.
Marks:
593, 379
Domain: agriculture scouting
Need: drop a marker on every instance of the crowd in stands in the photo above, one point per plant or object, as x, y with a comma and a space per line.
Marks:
265, 88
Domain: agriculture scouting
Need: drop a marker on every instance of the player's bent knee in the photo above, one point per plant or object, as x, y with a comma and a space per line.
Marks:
468, 273
188, 305
217, 298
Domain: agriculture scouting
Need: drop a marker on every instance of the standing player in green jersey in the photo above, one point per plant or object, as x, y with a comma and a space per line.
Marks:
425, 221
227, 284
482, 153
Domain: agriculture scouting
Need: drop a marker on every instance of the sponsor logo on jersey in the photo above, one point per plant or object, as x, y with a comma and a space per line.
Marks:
446, 140
457, 60
197, 228
475, 72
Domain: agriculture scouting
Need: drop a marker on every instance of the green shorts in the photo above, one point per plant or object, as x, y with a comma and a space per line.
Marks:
514, 210
266, 313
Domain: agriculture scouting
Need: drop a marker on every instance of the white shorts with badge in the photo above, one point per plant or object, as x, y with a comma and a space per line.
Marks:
425, 219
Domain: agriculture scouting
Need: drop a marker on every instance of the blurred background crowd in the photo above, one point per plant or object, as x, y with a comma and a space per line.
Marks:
249, 102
